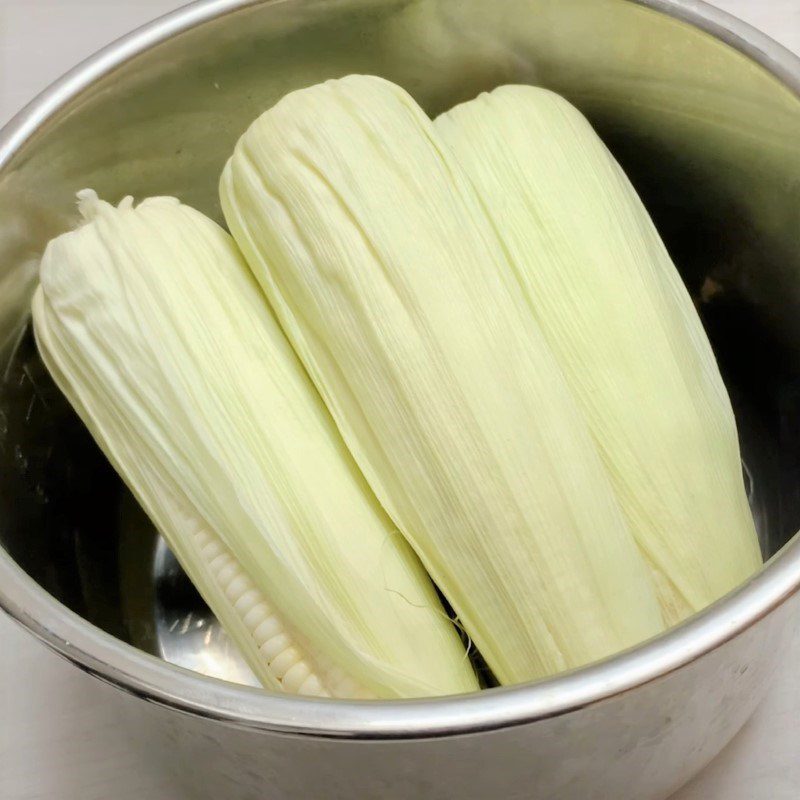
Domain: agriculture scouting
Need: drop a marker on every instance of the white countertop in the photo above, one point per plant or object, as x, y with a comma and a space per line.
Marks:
58, 741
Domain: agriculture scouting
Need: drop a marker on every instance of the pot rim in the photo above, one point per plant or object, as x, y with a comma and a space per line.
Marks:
156, 681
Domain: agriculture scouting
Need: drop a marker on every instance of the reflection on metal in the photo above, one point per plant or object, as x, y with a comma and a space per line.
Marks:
188, 634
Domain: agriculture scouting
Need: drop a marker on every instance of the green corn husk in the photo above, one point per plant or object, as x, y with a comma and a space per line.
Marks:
614, 310
384, 272
153, 326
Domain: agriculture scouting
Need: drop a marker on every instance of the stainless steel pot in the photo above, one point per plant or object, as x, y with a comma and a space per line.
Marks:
704, 114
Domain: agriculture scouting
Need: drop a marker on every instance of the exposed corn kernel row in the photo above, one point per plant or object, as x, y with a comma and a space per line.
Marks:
292, 668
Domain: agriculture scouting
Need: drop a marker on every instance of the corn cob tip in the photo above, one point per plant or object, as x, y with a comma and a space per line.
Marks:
91, 207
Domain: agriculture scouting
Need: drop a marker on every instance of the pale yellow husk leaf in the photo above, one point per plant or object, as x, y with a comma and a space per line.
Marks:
153, 326
613, 308
388, 279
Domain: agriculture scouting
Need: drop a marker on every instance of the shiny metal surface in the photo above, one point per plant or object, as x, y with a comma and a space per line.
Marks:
186, 632
703, 113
